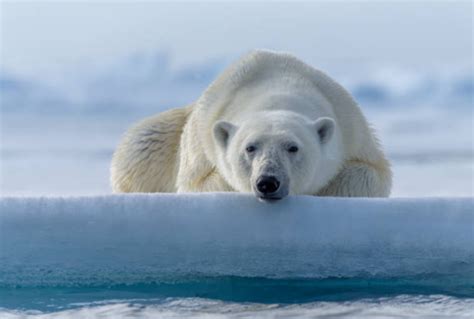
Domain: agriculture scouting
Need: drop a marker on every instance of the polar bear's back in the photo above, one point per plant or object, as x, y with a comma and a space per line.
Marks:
266, 72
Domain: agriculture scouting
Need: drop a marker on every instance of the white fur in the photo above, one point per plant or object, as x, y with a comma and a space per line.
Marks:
146, 159
267, 96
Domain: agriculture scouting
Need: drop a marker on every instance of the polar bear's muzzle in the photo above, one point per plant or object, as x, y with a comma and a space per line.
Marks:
270, 188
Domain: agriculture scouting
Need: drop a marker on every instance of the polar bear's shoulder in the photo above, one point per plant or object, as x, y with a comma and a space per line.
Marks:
261, 66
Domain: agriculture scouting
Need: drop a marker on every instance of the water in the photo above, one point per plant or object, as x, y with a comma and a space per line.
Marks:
402, 306
234, 297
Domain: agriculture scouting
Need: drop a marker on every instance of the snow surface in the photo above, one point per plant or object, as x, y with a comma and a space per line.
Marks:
131, 239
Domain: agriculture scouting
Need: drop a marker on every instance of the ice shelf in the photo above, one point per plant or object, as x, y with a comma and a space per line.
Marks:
127, 239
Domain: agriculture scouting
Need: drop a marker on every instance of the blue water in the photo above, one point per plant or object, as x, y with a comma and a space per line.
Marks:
451, 295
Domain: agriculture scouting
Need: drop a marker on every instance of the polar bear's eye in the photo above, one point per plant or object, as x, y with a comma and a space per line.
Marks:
250, 149
293, 149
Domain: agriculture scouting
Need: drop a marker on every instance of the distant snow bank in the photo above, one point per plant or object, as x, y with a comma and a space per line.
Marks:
127, 239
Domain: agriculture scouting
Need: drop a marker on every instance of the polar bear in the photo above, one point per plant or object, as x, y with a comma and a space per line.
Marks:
271, 125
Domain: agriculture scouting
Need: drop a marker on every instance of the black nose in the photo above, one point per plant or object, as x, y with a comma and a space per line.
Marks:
267, 184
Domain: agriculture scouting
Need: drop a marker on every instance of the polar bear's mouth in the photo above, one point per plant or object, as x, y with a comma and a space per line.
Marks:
269, 198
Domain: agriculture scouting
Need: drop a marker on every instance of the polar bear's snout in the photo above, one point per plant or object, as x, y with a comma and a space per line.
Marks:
270, 188
267, 185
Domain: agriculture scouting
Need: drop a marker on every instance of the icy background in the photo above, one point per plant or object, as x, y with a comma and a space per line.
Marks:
69, 89
54, 141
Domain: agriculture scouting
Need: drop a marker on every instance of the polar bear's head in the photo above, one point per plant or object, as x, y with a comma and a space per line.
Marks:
277, 153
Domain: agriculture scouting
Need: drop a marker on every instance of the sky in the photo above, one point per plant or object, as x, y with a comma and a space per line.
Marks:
40, 38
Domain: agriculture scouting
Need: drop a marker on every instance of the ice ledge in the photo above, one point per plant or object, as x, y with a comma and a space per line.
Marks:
130, 239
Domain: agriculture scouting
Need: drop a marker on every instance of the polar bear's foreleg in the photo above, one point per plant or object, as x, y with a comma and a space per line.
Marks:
359, 178
146, 159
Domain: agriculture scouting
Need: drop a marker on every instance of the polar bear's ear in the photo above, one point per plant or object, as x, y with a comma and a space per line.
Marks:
222, 132
324, 126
